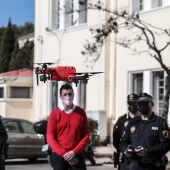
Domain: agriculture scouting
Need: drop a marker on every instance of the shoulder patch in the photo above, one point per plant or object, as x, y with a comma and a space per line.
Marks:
125, 123
132, 128
115, 128
166, 134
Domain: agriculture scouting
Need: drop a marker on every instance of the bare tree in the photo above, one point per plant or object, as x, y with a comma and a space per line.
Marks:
143, 32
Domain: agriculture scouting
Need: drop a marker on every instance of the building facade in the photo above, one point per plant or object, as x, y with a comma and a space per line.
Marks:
141, 72
60, 38
16, 94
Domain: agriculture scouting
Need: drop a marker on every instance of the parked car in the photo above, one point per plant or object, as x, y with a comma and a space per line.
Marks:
23, 141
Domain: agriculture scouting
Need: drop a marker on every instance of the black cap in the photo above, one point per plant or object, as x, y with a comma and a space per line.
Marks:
144, 97
132, 97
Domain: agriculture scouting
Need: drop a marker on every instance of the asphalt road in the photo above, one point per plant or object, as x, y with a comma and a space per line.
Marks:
43, 165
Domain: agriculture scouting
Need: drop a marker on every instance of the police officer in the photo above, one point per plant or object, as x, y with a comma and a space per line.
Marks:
119, 130
3, 139
148, 136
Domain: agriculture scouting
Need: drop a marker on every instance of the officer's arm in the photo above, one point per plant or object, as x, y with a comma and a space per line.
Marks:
116, 135
126, 138
164, 138
3, 134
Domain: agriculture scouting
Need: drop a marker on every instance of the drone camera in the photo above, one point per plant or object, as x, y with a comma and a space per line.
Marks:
44, 77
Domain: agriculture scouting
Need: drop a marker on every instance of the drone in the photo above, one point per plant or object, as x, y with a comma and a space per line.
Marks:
60, 73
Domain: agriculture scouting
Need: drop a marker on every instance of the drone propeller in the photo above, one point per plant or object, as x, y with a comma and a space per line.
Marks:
83, 76
89, 73
45, 63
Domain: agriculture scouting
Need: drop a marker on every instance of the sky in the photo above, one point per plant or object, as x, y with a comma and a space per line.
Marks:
20, 11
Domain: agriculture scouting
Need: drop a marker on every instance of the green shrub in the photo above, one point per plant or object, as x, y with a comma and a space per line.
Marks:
93, 126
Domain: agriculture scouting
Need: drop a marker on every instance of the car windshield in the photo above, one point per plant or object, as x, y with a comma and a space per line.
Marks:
12, 127
27, 127
19, 126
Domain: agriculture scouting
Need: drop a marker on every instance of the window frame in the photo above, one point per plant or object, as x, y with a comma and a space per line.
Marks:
147, 5
2, 92
60, 22
17, 92
156, 88
134, 84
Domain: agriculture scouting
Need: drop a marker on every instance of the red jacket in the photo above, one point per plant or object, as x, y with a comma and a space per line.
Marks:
66, 132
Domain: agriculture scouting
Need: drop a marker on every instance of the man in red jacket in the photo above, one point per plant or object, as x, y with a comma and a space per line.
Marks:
67, 133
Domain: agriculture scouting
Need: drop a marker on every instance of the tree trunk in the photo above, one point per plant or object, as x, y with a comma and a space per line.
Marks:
166, 98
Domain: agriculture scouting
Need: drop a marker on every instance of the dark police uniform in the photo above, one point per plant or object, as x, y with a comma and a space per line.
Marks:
118, 132
3, 139
153, 135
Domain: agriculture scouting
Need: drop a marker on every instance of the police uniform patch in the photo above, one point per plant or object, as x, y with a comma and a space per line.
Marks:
123, 134
115, 128
166, 133
125, 123
132, 129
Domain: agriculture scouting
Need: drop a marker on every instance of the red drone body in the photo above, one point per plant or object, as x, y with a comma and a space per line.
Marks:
61, 73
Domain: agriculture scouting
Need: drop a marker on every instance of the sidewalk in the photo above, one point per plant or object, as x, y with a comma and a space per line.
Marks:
104, 154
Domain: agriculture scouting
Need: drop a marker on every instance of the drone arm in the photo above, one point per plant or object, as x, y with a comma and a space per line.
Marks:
77, 78
36, 72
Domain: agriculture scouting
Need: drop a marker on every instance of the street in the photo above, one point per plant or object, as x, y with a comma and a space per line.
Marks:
43, 165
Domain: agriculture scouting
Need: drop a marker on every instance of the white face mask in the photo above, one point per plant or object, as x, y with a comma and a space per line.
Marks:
68, 100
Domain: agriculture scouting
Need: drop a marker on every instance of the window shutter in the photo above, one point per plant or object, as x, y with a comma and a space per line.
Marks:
156, 3
68, 13
55, 14
82, 14
135, 5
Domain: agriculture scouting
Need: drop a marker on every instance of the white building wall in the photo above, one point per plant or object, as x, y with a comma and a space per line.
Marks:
105, 92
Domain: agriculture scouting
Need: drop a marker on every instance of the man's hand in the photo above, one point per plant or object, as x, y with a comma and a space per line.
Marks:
141, 151
127, 154
69, 156
74, 161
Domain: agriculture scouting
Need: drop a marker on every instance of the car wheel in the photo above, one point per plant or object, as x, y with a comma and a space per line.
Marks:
32, 159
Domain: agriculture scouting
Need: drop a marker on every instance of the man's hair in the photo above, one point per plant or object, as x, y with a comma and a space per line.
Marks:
65, 87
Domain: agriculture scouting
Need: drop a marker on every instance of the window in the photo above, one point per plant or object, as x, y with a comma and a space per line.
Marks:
27, 127
67, 13
54, 94
1, 92
20, 92
82, 94
82, 13
137, 5
145, 5
12, 127
137, 83
55, 14
156, 3
69, 17
158, 91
